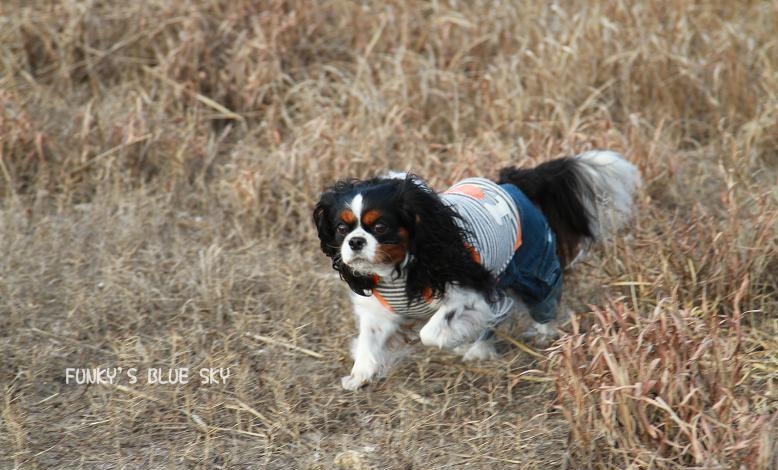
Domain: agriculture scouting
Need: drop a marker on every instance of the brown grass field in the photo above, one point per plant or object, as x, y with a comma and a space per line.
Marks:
159, 161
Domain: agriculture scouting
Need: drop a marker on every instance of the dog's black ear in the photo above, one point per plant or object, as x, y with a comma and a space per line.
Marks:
323, 215
438, 245
325, 211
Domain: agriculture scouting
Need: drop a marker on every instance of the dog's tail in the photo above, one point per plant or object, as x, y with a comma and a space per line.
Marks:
584, 198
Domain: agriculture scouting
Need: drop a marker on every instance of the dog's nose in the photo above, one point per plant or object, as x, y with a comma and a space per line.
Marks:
357, 243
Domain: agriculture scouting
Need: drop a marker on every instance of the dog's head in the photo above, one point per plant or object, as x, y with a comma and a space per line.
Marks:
395, 226
366, 226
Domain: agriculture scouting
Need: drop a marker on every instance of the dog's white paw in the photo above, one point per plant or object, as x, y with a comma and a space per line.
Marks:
542, 334
449, 329
440, 335
354, 381
429, 335
480, 351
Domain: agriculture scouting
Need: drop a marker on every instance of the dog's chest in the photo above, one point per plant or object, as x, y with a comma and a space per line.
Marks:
391, 294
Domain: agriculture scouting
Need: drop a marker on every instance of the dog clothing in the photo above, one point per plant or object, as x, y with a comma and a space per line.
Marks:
510, 237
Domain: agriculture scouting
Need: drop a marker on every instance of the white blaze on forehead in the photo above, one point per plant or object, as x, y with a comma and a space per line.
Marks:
363, 260
356, 207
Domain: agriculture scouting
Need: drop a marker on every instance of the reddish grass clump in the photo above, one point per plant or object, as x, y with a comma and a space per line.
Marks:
662, 391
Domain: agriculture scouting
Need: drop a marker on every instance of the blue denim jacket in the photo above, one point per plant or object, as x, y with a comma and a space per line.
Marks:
534, 272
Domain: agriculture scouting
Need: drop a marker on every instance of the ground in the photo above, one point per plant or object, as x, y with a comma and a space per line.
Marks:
161, 159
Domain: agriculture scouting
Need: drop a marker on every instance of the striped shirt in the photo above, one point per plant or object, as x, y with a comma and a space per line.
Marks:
490, 218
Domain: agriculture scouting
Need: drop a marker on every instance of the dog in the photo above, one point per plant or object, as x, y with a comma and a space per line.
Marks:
465, 260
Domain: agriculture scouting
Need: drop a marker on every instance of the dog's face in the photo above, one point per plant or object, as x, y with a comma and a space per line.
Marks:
362, 225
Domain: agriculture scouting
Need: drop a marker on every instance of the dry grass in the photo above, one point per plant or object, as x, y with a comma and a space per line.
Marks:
160, 160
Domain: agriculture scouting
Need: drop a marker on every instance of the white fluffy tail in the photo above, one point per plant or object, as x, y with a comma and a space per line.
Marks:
613, 182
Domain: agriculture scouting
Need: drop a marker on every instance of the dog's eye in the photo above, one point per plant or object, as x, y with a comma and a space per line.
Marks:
380, 228
342, 229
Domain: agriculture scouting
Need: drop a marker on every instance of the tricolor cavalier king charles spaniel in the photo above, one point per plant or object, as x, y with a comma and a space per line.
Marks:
465, 260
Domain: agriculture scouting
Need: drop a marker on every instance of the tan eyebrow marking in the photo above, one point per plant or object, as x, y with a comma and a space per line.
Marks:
347, 216
370, 217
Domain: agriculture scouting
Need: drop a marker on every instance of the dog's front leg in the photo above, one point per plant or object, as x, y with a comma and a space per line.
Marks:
462, 317
372, 358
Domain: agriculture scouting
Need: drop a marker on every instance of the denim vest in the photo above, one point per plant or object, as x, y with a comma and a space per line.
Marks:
534, 271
